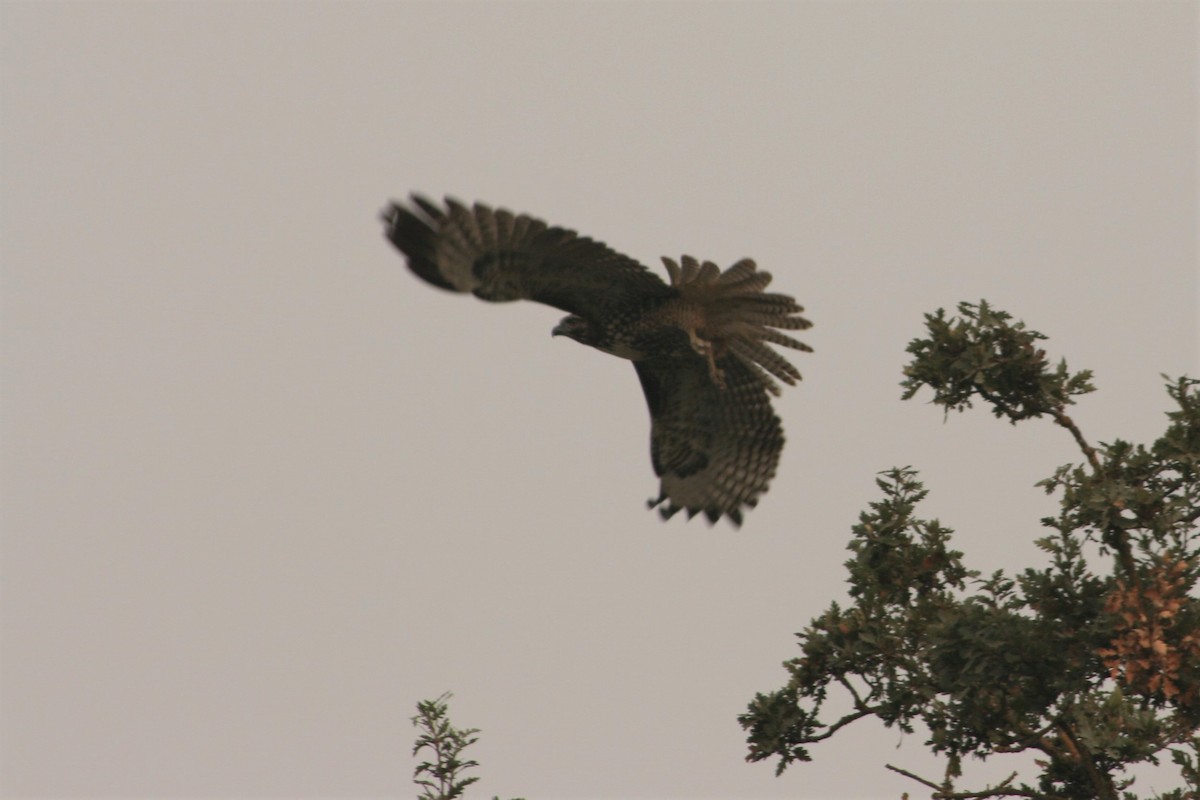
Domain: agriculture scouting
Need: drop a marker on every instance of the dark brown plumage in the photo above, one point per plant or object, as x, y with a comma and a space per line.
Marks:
698, 343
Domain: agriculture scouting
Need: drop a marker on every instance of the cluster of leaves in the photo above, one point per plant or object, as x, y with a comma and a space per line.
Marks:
442, 778
1151, 650
1093, 669
982, 354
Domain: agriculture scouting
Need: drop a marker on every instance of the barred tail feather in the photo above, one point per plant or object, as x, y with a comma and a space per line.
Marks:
775, 321
739, 271
753, 283
740, 317
709, 273
768, 359
691, 269
781, 339
762, 375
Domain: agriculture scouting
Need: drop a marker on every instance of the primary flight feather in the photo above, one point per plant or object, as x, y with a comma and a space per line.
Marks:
698, 343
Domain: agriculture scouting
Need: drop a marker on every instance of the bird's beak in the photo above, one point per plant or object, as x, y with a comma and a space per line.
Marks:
560, 329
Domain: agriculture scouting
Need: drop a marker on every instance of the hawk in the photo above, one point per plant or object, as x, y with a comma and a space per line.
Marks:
698, 343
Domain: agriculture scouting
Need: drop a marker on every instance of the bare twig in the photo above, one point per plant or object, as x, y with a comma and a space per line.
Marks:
1002, 789
916, 778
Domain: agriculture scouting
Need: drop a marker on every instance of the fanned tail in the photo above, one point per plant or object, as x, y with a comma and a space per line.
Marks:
739, 317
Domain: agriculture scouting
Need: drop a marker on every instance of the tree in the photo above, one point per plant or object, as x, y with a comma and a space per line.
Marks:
1091, 662
442, 778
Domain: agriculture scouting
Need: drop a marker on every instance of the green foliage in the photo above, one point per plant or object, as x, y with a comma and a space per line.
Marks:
1092, 667
981, 354
442, 778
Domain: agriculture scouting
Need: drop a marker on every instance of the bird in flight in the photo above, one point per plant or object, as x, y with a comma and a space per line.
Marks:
698, 343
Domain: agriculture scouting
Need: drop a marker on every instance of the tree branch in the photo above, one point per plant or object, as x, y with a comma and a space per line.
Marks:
1124, 552
841, 723
916, 778
1089, 452
1102, 782
1002, 789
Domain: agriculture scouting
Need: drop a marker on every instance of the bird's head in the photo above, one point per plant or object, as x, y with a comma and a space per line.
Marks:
577, 328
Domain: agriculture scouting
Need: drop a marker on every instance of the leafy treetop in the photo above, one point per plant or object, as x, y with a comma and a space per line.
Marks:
1094, 667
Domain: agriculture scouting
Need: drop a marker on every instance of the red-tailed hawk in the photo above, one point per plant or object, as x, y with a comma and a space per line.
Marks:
698, 344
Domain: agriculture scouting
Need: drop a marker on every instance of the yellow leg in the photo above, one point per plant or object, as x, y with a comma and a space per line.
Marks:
705, 348
715, 372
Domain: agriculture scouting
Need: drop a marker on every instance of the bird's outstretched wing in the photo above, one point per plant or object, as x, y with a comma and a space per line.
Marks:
714, 449
699, 344
499, 256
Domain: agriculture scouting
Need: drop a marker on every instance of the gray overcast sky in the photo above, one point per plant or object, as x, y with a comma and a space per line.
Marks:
264, 490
